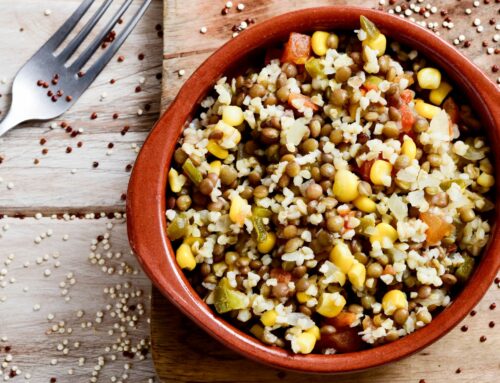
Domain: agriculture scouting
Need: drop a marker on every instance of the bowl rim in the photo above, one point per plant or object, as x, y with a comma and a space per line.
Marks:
146, 202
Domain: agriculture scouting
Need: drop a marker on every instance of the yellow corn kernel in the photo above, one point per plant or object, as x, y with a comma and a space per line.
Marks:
218, 151
230, 135
357, 275
380, 173
232, 115
429, 78
394, 300
436, 96
267, 244
257, 330
385, 234
240, 210
486, 180
330, 304
176, 180
215, 167
426, 110
342, 257
378, 43
365, 204
304, 343
219, 268
319, 42
190, 241
302, 297
345, 186
315, 331
409, 148
268, 319
185, 258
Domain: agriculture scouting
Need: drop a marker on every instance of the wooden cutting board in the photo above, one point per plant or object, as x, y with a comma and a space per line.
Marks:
184, 353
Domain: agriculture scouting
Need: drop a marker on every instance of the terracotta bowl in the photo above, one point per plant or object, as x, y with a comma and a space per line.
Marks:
146, 194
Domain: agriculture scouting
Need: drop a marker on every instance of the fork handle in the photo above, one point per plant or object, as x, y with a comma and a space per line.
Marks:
9, 122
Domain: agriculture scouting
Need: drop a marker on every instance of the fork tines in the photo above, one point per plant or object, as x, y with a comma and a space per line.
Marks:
57, 39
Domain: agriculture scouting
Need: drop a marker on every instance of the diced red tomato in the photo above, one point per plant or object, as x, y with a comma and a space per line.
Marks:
281, 275
407, 118
272, 54
343, 341
297, 101
342, 321
407, 96
297, 49
452, 109
438, 227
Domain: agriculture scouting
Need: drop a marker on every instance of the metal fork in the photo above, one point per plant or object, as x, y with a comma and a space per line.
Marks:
48, 85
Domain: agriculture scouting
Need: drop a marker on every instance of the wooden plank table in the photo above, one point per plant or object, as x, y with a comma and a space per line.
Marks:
184, 353
55, 315
50, 320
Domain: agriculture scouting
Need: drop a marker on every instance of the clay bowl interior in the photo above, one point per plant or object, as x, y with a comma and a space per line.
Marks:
146, 202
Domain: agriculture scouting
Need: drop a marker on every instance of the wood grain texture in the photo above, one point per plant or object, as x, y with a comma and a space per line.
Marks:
51, 186
184, 353
24, 283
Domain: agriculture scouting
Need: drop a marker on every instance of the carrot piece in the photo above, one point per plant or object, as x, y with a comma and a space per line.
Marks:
297, 101
438, 228
297, 49
407, 96
369, 86
343, 320
407, 118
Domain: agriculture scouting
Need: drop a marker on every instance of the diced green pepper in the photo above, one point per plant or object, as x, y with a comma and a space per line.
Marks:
178, 228
261, 212
228, 299
315, 68
260, 228
368, 26
192, 172
464, 271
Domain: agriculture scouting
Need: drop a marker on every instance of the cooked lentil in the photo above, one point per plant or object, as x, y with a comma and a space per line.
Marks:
334, 196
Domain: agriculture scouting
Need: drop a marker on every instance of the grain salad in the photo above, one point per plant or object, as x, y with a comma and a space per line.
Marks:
336, 198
